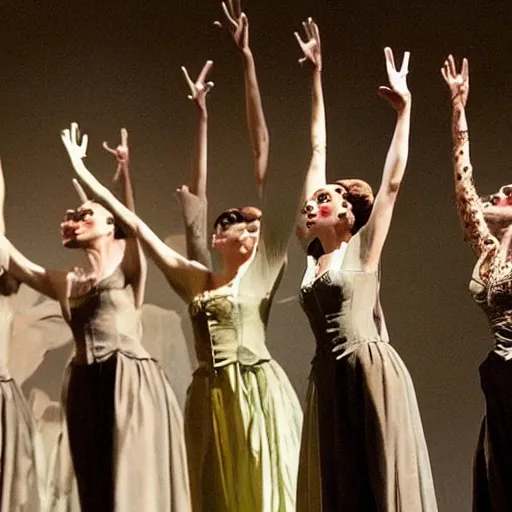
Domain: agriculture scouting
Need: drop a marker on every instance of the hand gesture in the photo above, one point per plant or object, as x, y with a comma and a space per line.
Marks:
122, 153
70, 138
457, 82
237, 23
199, 89
311, 48
397, 94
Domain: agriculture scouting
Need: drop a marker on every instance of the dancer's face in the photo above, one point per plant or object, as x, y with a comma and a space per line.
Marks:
327, 208
501, 198
87, 223
235, 232
498, 210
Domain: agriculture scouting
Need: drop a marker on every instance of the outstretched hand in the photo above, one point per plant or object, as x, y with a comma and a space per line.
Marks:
458, 83
236, 23
311, 47
397, 94
122, 153
76, 150
200, 88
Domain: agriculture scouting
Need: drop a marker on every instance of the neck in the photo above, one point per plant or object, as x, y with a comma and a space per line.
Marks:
231, 266
102, 256
332, 238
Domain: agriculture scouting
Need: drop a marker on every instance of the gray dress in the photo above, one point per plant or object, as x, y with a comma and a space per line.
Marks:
22, 464
123, 425
363, 447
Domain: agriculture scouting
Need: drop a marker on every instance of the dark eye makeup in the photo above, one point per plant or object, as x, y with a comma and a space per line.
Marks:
229, 218
323, 197
77, 216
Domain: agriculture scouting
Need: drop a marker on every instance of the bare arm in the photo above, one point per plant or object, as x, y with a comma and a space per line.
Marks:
399, 97
258, 131
281, 209
134, 261
192, 197
20, 267
316, 175
198, 91
238, 25
186, 277
48, 282
469, 205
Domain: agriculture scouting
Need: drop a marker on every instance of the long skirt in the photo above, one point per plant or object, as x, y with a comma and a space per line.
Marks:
243, 427
363, 447
492, 479
22, 464
124, 431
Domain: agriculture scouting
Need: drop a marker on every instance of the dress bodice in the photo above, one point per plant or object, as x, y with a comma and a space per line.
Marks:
342, 304
495, 298
230, 322
105, 321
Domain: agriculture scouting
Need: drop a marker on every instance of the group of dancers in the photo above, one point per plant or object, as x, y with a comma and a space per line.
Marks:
244, 444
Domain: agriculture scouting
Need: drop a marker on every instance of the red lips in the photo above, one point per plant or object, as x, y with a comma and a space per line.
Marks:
324, 211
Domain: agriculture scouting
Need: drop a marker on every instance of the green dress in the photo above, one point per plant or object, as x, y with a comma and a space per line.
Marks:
243, 419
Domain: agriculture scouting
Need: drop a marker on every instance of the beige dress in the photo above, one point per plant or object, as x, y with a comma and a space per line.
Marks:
363, 448
123, 424
243, 419
22, 461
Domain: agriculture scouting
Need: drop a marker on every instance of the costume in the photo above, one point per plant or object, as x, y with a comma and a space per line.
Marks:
123, 424
363, 447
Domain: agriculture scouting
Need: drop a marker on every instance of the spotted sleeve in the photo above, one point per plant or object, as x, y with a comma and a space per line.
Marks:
469, 205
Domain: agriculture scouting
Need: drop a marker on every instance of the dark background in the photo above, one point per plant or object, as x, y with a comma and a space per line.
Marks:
111, 64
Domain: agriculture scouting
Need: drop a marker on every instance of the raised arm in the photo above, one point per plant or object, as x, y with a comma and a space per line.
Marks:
186, 277
192, 196
238, 26
399, 97
198, 91
134, 261
469, 205
316, 176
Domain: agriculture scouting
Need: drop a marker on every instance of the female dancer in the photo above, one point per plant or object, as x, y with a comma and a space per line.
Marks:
278, 491
243, 418
123, 421
22, 464
363, 447
488, 227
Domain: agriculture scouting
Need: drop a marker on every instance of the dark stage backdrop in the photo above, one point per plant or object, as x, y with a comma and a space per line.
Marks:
114, 64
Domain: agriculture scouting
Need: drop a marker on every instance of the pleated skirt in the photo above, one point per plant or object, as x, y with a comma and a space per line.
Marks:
243, 429
492, 477
363, 447
22, 459
124, 436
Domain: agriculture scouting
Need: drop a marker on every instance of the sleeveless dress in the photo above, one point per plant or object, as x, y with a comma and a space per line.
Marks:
493, 457
363, 447
243, 419
22, 460
123, 424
